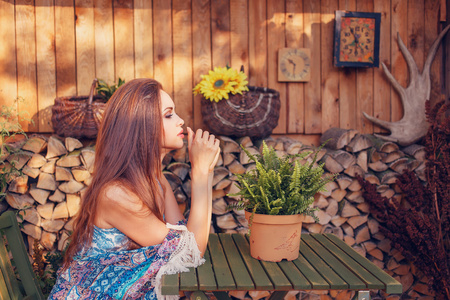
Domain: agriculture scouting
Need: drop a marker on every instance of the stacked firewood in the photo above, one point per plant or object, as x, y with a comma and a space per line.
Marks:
54, 175
343, 210
378, 162
57, 171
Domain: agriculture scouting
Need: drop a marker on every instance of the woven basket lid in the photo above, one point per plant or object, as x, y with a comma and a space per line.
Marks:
253, 114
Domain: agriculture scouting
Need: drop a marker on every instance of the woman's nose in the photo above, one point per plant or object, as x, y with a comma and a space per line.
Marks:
181, 122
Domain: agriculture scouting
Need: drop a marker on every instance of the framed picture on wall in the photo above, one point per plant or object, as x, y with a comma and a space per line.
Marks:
357, 39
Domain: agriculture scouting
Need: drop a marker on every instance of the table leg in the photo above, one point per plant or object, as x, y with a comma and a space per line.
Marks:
222, 295
198, 295
278, 295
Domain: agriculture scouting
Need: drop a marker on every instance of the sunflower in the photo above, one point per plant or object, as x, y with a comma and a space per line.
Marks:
217, 84
241, 82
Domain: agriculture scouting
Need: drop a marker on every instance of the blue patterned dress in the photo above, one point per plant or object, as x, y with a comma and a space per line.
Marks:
106, 270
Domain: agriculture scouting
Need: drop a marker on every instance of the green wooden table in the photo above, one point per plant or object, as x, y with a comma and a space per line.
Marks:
325, 263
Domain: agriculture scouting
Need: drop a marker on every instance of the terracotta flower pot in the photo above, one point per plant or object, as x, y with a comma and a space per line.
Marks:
274, 238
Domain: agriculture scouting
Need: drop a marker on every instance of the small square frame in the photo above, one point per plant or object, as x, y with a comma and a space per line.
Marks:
337, 33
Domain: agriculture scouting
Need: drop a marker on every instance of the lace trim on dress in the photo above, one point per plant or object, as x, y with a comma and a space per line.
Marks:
185, 256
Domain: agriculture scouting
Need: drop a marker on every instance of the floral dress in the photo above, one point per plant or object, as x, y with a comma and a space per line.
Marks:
106, 270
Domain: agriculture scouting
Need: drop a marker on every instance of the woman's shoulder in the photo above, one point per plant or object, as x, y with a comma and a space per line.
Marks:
116, 196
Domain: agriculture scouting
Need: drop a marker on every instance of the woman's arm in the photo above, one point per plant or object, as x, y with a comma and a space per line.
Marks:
172, 213
203, 154
123, 210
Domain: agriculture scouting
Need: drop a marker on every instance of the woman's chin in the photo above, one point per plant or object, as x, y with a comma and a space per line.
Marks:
177, 146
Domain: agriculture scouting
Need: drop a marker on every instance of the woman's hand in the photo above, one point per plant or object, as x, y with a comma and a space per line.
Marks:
203, 153
203, 150
216, 158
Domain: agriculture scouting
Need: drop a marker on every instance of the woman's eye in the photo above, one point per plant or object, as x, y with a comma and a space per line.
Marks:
169, 116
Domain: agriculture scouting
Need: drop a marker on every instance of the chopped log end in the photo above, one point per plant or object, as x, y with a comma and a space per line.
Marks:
337, 138
180, 169
36, 144
72, 144
354, 170
55, 148
358, 143
331, 165
229, 145
417, 151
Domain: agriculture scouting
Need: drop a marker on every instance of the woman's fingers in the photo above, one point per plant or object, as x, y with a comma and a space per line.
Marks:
212, 139
216, 158
201, 135
203, 148
205, 137
190, 133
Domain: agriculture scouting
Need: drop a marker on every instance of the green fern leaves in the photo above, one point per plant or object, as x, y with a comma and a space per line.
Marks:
281, 185
106, 91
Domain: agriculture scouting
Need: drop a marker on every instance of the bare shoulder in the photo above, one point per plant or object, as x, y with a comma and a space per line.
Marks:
120, 208
118, 197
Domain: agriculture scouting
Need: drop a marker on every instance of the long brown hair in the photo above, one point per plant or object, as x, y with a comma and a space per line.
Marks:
127, 152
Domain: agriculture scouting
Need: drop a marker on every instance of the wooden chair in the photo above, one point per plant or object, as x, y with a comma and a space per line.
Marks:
10, 287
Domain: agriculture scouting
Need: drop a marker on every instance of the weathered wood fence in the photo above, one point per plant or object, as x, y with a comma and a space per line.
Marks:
51, 48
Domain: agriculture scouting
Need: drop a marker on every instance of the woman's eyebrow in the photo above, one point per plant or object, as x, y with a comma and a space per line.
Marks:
168, 108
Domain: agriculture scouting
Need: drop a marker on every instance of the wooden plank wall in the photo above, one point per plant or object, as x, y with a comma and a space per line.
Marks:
51, 48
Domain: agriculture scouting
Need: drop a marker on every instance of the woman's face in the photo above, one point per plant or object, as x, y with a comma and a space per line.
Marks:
172, 125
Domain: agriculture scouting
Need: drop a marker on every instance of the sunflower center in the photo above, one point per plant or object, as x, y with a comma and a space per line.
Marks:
219, 83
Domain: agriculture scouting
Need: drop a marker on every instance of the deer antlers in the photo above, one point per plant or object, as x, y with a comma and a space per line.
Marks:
413, 125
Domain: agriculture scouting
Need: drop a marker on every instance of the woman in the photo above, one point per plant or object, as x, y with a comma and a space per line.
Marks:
123, 240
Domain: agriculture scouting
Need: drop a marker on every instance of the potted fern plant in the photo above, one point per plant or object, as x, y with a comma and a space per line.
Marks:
276, 196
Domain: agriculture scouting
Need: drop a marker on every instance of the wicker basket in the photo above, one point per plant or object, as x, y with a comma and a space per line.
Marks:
254, 114
78, 116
